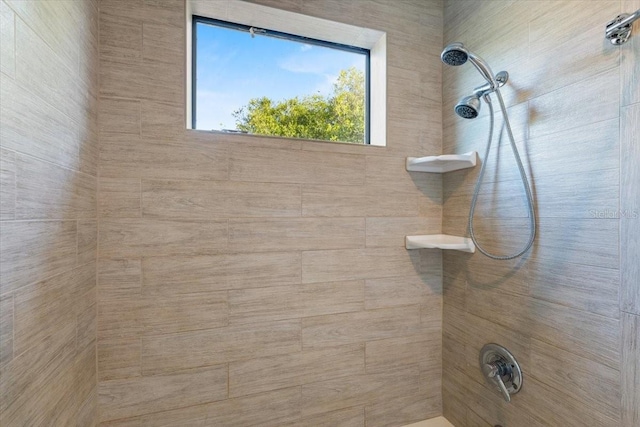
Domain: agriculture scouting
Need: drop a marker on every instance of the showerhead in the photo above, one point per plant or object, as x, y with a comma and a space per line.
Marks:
456, 54
468, 107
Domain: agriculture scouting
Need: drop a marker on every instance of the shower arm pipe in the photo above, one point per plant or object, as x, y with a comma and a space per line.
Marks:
615, 27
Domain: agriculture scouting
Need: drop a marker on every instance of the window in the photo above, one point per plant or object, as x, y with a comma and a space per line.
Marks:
303, 77
265, 82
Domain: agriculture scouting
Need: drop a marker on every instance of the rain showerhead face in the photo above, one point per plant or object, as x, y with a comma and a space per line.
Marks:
454, 54
468, 107
454, 57
466, 112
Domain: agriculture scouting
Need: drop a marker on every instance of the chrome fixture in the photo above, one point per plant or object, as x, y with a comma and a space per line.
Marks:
618, 30
468, 108
501, 370
456, 54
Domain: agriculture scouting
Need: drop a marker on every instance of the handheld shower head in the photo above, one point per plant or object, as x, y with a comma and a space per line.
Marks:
468, 107
456, 54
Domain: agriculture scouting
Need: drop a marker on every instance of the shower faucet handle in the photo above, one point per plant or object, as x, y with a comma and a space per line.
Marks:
501, 370
493, 372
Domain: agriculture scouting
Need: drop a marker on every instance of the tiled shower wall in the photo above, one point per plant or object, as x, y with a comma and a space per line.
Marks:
48, 184
248, 280
568, 310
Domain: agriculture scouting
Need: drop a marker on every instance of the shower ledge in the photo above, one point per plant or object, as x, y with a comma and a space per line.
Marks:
442, 164
440, 241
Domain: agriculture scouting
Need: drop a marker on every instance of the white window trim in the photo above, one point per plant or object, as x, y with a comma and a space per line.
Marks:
307, 26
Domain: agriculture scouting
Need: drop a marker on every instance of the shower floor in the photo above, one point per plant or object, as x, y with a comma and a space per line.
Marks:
433, 422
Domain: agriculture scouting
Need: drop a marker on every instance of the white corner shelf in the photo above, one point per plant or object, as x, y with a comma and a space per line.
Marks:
442, 164
440, 241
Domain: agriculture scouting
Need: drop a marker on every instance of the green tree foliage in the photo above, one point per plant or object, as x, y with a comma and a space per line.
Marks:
337, 117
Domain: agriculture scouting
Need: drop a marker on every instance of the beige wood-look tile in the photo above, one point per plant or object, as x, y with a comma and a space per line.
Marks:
556, 111
131, 237
270, 409
592, 336
350, 417
308, 167
547, 29
403, 410
161, 120
289, 302
87, 241
424, 350
629, 61
43, 307
550, 406
358, 264
334, 201
120, 34
128, 156
334, 394
166, 13
44, 190
7, 184
594, 384
119, 197
31, 126
139, 396
87, 328
250, 235
31, 384
597, 145
89, 150
630, 209
387, 202
454, 279
162, 82
120, 116
398, 291
45, 72
119, 296
595, 289
489, 405
480, 332
6, 329
118, 357
32, 251
454, 408
630, 370
272, 373
219, 272
50, 22
165, 353
88, 411
163, 43
578, 195
121, 78
584, 55
167, 312
588, 242
349, 328
7, 47
206, 199
499, 306
391, 231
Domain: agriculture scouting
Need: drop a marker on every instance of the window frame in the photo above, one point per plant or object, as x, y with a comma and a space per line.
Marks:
264, 32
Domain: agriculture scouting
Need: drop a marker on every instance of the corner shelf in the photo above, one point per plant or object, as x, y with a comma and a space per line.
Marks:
440, 241
442, 164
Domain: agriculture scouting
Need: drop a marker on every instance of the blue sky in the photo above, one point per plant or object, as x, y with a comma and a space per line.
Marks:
232, 68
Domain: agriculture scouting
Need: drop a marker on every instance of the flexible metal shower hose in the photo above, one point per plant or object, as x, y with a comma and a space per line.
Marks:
525, 183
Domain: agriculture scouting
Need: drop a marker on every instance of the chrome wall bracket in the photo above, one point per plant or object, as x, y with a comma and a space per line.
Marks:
501, 370
619, 29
